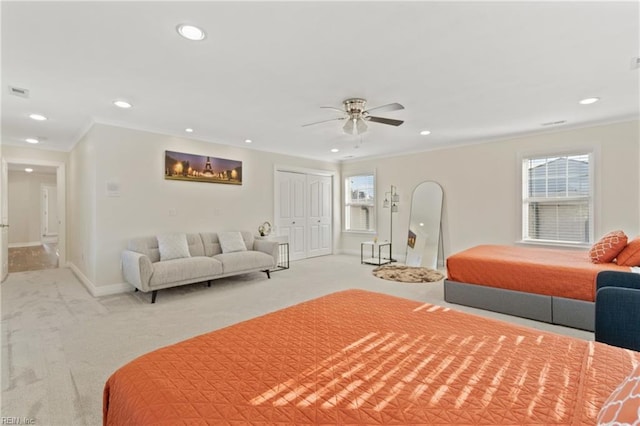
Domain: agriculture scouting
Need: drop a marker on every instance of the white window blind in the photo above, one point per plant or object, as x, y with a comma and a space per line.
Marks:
360, 203
557, 199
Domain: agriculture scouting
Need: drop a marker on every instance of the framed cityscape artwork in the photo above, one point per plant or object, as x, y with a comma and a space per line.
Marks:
201, 168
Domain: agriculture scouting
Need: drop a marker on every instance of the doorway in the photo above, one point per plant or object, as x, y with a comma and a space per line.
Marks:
36, 214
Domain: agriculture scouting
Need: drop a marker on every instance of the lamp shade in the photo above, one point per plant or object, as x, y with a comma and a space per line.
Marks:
348, 127
361, 126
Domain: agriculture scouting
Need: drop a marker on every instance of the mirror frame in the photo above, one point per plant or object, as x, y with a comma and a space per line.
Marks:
429, 247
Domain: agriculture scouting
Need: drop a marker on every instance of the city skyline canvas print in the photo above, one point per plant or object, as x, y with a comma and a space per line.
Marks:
201, 168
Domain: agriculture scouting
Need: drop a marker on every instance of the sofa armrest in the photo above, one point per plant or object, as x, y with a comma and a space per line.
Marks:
137, 269
617, 279
269, 247
618, 317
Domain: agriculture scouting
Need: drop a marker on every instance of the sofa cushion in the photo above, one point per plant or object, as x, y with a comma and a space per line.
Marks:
231, 242
212, 243
244, 261
173, 246
149, 246
185, 269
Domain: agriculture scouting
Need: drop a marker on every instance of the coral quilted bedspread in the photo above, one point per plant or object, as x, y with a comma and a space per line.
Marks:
552, 272
357, 357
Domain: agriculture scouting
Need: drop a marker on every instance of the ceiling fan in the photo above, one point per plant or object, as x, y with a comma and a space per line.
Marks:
356, 115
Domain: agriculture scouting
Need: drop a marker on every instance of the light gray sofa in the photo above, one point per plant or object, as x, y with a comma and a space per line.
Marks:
143, 268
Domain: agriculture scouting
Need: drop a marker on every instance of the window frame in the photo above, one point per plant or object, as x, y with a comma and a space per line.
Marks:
523, 159
346, 204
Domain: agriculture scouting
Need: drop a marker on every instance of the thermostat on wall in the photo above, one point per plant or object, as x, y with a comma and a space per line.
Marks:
113, 189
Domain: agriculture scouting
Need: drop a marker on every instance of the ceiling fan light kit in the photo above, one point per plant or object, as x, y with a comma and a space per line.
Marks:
356, 115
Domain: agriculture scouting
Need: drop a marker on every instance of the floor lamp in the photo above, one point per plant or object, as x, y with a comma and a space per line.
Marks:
391, 201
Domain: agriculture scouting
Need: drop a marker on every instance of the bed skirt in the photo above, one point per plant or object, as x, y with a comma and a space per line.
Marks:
551, 309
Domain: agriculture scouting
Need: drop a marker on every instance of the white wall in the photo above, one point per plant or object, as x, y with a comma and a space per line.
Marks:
481, 185
81, 212
101, 225
25, 205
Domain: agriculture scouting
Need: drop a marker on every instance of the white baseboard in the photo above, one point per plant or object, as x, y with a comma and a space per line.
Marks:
97, 291
30, 244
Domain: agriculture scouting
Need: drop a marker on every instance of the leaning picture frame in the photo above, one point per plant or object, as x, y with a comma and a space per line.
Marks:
201, 168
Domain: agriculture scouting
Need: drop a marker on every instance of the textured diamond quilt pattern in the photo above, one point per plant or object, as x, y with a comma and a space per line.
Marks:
358, 357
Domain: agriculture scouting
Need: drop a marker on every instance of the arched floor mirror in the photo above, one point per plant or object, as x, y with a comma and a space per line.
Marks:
423, 241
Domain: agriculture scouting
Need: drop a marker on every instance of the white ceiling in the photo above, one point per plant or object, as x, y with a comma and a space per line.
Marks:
466, 71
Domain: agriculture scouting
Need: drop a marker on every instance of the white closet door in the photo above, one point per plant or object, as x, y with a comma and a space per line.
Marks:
291, 220
319, 220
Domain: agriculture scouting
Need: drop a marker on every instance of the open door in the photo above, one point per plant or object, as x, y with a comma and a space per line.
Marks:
4, 225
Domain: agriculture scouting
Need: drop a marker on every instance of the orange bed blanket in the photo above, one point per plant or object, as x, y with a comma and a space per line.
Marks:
552, 272
357, 357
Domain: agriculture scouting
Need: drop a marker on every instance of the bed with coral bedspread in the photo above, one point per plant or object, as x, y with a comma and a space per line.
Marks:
545, 284
357, 357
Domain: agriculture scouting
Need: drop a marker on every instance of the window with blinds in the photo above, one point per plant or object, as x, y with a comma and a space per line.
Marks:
360, 201
557, 199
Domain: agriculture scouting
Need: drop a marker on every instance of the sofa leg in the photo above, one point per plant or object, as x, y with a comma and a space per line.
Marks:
135, 290
268, 273
209, 283
154, 294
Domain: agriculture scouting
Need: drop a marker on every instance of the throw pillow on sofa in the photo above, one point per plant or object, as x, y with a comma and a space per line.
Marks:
173, 246
231, 242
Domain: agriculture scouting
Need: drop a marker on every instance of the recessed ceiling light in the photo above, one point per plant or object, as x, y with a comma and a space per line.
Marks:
188, 130
37, 117
191, 32
122, 104
248, 141
335, 150
421, 223
32, 140
425, 132
28, 170
589, 101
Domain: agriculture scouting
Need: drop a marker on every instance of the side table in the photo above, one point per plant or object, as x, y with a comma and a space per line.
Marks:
376, 258
283, 250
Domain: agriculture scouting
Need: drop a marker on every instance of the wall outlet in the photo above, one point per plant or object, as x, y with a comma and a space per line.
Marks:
172, 212
216, 212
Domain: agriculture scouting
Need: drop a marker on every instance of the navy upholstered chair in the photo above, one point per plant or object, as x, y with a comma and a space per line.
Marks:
618, 309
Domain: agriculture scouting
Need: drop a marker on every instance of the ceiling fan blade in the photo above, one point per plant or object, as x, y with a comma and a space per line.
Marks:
383, 120
384, 108
323, 121
334, 108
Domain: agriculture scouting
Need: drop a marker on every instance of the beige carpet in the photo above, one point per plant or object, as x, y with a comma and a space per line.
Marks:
407, 274
60, 344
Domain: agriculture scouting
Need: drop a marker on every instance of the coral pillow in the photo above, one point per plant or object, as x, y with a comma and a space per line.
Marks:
630, 255
609, 246
623, 405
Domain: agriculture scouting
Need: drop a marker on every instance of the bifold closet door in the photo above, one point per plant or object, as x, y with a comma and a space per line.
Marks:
319, 216
292, 219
